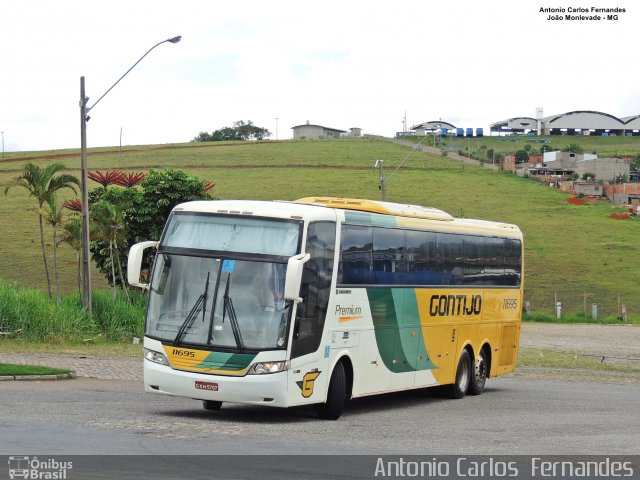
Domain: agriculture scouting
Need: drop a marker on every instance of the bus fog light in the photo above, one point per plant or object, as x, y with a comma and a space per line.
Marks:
267, 367
155, 357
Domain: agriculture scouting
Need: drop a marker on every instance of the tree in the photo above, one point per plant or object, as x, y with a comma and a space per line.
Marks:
522, 156
241, 130
110, 227
545, 148
72, 235
42, 185
573, 148
161, 191
54, 217
144, 212
248, 131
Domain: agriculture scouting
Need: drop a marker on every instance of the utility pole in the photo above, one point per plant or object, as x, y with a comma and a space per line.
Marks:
84, 118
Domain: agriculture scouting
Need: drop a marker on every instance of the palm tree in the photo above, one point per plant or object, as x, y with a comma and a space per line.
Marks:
109, 223
54, 217
72, 235
43, 186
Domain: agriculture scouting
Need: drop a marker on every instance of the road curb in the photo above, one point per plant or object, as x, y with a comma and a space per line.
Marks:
34, 378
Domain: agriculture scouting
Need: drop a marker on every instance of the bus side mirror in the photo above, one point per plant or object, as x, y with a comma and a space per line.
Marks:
294, 277
134, 263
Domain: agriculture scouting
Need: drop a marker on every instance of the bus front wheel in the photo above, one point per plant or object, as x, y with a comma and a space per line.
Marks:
336, 396
463, 377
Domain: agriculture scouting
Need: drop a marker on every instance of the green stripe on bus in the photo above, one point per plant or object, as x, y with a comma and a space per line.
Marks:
227, 361
401, 345
386, 311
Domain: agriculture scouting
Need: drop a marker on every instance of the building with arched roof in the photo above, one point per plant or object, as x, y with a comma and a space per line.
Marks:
431, 127
515, 125
632, 123
583, 122
579, 122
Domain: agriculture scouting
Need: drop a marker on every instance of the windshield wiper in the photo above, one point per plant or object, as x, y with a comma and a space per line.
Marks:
228, 309
201, 302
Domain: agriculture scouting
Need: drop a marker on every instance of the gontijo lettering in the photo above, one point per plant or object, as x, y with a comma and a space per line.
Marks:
448, 305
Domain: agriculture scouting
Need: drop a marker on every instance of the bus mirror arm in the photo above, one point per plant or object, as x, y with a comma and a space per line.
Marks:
294, 277
134, 263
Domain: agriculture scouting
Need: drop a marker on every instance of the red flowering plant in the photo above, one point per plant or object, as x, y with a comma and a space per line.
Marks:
74, 205
209, 186
110, 177
130, 179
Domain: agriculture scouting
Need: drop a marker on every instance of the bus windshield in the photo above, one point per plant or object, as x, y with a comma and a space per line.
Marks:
219, 281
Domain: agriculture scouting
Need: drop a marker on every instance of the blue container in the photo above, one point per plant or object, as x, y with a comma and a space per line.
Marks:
459, 132
469, 132
479, 132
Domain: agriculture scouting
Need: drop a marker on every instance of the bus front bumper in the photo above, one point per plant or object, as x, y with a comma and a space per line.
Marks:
267, 389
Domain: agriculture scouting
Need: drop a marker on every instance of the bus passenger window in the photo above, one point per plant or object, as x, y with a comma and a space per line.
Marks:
356, 263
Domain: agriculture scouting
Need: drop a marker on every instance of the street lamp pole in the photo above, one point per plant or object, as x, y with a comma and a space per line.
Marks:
84, 118
84, 202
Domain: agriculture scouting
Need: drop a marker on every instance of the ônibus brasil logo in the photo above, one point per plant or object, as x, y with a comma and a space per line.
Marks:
33, 468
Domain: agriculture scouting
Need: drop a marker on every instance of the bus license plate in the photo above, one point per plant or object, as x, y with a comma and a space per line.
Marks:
206, 386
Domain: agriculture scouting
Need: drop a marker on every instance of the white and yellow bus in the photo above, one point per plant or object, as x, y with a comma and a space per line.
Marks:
325, 299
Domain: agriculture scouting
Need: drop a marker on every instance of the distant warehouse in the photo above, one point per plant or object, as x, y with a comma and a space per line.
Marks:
579, 122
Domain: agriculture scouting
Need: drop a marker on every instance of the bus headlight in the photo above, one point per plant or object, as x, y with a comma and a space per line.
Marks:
267, 367
155, 357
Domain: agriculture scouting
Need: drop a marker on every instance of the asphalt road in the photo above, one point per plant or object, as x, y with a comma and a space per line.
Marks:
516, 415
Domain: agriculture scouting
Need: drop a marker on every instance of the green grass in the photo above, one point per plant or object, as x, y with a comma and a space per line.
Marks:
30, 315
14, 370
576, 254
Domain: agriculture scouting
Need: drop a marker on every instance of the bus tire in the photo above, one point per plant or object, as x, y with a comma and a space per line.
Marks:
480, 374
336, 396
211, 404
458, 389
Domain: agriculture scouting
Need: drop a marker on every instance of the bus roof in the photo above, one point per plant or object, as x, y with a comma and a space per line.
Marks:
359, 211
373, 206
411, 216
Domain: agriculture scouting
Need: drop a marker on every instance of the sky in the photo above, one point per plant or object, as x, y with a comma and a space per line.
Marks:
280, 63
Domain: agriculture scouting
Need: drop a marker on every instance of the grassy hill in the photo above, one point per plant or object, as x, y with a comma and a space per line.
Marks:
576, 254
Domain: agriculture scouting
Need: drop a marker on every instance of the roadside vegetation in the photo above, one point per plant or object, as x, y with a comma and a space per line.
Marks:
30, 315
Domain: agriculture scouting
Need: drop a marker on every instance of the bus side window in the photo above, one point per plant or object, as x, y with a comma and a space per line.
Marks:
315, 288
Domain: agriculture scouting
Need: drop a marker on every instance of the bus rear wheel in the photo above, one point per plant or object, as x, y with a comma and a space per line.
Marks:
480, 374
463, 377
336, 396
211, 404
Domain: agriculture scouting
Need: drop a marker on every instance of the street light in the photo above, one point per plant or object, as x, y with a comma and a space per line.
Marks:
384, 181
84, 118
378, 165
